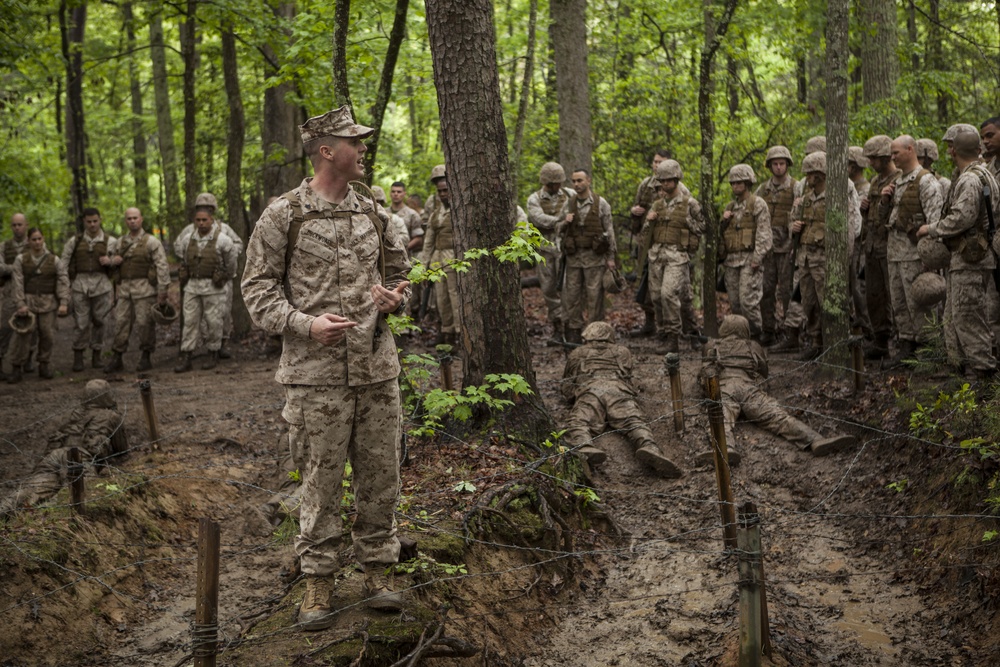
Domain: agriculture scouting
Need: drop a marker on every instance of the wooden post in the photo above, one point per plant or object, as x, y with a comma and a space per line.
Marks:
755, 633
206, 629
78, 489
857, 361
721, 452
673, 363
152, 423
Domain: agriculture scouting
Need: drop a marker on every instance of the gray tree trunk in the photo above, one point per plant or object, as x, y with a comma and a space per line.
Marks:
284, 159
568, 35
139, 161
522, 109
189, 55
341, 24
879, 62
164, 120
72, 23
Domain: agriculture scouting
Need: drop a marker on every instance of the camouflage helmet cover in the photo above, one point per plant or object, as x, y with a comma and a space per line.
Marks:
206, 199
437, 173
669, 169
878, 146
815, 162
950, 133
934, 254
776, 153
98, 394
22, 324
929, 289
163, 313
856, 155
816, 144
552, 172
742, 172
599, 331
927, 148
379, 194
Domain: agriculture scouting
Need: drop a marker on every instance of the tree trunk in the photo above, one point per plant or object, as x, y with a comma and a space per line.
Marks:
164, 120
836, 301
568, 34
936, 58
522, 109
494, 332
72, 31
733, 85
190, 57
879, 62
235, 133
284, 159
396, 38
341, 23
139, 162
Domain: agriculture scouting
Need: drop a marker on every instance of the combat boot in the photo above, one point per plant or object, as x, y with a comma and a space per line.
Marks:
557, 338
827, 446
670, 343
316, 612
3, 376
95, 359
790, 344
593, 455
647, 329
44, 371
574, 337
707, 457
907, 350
223, 352
77, 361
15, 374
212, 360
145, 363
767, 339
812, 352
696, 339
29, 367
879, 349
650, 455
184, 363
378, 589
115, 365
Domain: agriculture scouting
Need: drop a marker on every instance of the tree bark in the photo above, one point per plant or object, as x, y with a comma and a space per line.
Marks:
396, 37
936, 58
164, 120
284, 159
341, 24
72, 31
568, 34
494, 332
139, 161
836, 301
522, 109
190, 57
879, 62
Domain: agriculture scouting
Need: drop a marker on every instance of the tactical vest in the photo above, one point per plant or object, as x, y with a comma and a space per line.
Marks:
589, 235
740, 237
648, 191
673, 229
909, 210
9, 252
602, 361
874, 235
549, 205
736, 359
444, 231
40, 277
85, 258
814, 215
972, 244
201, 262
137, 264
779, 204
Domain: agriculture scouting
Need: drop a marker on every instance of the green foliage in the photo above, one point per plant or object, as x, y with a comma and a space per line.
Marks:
898, 486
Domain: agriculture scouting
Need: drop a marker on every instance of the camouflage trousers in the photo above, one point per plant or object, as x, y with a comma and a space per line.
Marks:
744, 397
811, 278
877, 298
89, 315
449, 305
607, 405
548, 280
50, 475
669, 284
203, 312
583, 286
778, 272
329, 425
745, 287
131, 311
909, 316
227, 313
44, 332
967, 334
7, 308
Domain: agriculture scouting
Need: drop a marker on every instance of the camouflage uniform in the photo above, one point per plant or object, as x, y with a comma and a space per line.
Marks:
42, 285
9, 251
810, 260
342, 401
227, 308
439, 249
143, 274
544, 212
411, 219
209, 263
874, 245
96, 428
916, 201
779, 266
93, 293
589, 242
747, 239
964, 225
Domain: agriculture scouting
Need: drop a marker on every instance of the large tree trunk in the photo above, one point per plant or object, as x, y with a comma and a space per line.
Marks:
879, 62
385, 83
284, 159
72, 31
164, 120
341, 24
235, 133
190, 57
936, 58
568, 35
522, 109
836, 301
494, 332
140, 166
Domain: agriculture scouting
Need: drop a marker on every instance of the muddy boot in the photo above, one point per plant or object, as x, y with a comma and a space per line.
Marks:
315, 612
574, 337
212, 360
223, 352
115, 365
15, 375
707, 458
557, 338
77, 361
812, 352
184, 363
593, 455
767, 339
95, 359
826, 446
145, 363
650, 456
379, 591
790, 344
878, 349
29, 367
3, 376
907, 350
44, 371
647, 329
669, 343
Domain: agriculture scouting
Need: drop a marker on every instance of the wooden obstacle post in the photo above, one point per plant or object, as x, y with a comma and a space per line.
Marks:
152, 423
673, 363
755, 633
78, 488
204, 639
720, 450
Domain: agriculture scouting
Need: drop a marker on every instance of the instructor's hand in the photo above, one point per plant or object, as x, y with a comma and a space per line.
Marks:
387, 301
329, 329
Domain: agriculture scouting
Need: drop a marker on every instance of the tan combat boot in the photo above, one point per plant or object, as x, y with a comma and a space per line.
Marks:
211, 361
184, 363
650, 455
77, 361
315, 612
827, 446
379, 591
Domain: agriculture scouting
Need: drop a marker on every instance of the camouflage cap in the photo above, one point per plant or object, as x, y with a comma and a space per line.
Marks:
379, 194
599, 331
778, 153
336, 123
815, 162
437, 173
856, 155
206, 199
669, 169
552, 172
98, 394
742, 172
927, 148
950, 133
816, 144
878, 146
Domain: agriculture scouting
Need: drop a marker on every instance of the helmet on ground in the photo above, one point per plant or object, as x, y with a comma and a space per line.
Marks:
878, 146
206, 199
928, 289
856, 155
23, 323
379, 194
933, 254
98, 394
437, 173
734, 325
599, 331
164, 313
816, 144
778, 153
927, 148
669, 169
815, 162
613, 281
742, 172
552, 172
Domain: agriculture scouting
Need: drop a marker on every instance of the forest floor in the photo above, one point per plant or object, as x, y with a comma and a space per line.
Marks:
858, 573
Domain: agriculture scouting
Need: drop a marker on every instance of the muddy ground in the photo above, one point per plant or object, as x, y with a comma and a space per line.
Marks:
855, 574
